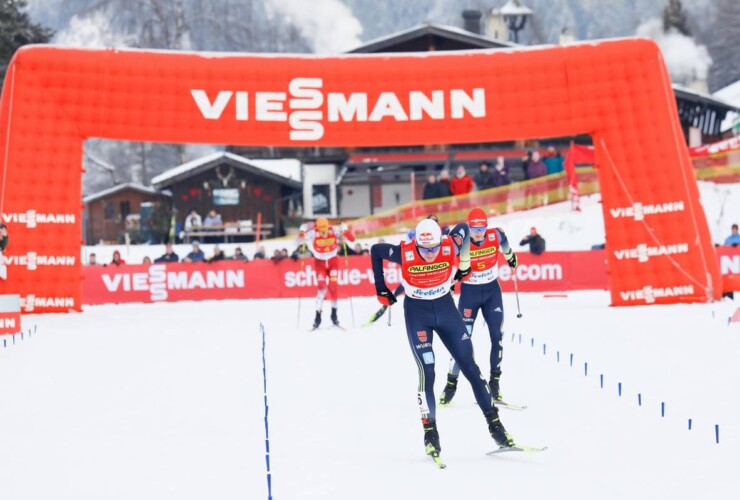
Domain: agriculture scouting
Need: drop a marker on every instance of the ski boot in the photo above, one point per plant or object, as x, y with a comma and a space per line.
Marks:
334, 318
317, 320
496, 428
450, 389
495, 389
431, 437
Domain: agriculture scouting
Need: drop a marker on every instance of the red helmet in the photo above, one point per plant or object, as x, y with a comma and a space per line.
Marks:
477, 218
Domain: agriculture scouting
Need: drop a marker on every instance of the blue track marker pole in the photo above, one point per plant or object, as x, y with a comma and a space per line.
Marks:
585, 369
662, 408
689, 424
639, 400
716, 433
267, 428
557, 355
532, 341
601, 380
544, 349
619, 388
571, 359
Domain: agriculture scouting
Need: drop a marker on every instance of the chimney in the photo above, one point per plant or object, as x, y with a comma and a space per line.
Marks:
472, 20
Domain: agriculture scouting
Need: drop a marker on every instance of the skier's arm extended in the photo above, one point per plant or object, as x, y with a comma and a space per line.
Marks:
378, 253
506, 249
460, 235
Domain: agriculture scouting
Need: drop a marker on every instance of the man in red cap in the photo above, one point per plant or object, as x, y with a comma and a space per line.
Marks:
482, 292
535, 241
323, 241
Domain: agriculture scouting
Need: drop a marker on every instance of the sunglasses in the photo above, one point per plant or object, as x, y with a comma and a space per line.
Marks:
428, 251
478, 229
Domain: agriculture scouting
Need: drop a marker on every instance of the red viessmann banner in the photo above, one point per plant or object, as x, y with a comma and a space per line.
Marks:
262, 279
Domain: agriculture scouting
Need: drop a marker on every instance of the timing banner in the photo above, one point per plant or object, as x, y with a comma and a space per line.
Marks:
618, 91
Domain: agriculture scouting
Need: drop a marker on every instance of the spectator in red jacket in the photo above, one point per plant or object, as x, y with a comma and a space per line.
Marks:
462, 183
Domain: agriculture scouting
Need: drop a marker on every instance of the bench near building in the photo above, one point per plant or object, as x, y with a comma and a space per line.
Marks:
249, 195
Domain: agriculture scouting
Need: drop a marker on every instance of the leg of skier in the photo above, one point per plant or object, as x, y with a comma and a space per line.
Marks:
333, 288
419, 322
493, 313
321, 278
468, 305
454, 335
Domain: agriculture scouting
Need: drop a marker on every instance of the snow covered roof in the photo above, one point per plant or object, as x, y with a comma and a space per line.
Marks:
122, 187
701, 109
284, 171
731, 94
422, 30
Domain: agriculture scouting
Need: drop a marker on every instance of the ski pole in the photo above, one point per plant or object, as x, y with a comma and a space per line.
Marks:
346, 264
303, 265
389, 315
516, 294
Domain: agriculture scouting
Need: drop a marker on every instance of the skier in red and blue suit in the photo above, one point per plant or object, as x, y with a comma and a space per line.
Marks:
482, 292
428, 274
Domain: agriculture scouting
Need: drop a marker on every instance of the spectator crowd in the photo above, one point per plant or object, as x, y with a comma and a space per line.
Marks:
534, 165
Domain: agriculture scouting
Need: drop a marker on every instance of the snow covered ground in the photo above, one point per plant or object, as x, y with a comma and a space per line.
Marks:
165, 401
562, 228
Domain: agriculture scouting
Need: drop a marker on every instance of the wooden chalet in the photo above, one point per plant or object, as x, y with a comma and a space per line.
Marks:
113, 213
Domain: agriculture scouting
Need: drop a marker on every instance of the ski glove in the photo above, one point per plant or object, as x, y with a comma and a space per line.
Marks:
463, 275
385, 296
513, 261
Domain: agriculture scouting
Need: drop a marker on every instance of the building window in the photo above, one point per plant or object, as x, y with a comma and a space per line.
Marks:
320, 199
110, 210
125, 209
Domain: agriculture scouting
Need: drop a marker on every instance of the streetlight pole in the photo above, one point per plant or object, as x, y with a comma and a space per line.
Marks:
515, 15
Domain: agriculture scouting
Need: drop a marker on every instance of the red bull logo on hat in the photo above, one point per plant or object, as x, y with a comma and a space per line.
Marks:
425, 238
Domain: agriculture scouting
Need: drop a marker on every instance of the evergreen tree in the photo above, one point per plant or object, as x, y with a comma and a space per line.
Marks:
722, 42
16, 30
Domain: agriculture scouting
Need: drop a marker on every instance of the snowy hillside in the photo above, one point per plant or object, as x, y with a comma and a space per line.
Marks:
564, 229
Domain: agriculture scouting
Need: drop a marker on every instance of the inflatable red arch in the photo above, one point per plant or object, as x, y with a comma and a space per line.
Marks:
659, 248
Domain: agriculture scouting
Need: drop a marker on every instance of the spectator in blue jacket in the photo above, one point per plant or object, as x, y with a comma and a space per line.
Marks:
196, 254
734, 238
535, 241
553, 160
